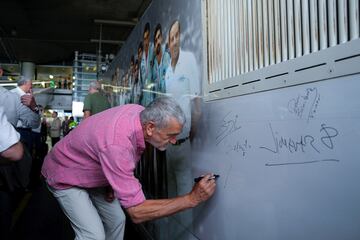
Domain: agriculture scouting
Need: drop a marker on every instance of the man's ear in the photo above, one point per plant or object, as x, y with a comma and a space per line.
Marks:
150, 128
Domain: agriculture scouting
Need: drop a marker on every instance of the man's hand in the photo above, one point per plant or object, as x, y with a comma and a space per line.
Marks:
29, 101
109, 195
203, 190
153, 209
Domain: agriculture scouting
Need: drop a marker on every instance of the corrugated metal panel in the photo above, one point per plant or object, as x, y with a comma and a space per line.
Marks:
247, 35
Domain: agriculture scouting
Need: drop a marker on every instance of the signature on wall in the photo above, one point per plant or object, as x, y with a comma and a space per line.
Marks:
319, 140
304, 106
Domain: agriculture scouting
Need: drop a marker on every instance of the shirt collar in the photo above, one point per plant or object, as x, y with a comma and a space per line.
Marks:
20, 91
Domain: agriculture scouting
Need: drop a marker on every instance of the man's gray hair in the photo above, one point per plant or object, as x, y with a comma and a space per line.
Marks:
161, 110
94, 85
23, 80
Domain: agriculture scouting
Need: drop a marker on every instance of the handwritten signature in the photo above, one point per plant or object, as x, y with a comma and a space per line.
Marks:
242, 147
228, 126
305, 104
303, 142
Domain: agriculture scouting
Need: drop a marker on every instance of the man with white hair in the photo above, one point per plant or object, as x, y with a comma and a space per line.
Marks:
24, 91
95, 101
78, 170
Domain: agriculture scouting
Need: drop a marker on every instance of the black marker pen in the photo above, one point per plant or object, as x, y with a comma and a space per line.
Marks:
215, 176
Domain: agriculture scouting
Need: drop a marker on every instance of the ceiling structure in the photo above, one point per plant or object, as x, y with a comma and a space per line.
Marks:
49, 32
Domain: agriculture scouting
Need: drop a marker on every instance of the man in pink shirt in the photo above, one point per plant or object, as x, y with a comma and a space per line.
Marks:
103, 151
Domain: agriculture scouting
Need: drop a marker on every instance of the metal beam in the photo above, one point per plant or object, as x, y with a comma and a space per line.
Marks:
107, 41
114, 22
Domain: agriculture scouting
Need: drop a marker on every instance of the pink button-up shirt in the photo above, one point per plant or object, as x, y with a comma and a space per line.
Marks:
104, 149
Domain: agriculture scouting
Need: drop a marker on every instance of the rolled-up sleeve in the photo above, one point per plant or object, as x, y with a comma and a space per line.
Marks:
118, 164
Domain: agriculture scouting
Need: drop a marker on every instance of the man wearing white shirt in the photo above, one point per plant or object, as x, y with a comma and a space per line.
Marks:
11, 148
15, 110
24, 91
182, 82
182, 77
14, 176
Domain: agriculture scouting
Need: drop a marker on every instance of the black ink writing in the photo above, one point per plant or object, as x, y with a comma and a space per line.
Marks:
229, 125
330, 134
300, 163
240, 147
289, 143
306, 103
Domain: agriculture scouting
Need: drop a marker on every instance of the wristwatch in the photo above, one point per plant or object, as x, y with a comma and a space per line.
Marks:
36, 109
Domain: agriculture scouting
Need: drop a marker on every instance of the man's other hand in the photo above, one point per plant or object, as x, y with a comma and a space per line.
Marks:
29, 101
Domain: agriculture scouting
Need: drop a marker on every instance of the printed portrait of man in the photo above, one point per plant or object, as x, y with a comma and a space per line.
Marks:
145, 66
161, 61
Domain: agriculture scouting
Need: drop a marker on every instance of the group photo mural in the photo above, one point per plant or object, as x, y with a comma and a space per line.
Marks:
163, 56
157, 67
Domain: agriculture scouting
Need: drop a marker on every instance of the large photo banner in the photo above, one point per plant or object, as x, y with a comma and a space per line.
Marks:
163, 56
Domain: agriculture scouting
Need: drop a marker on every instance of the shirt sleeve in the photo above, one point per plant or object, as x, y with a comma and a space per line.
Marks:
27, 117
87, 103
9, 136
16, 111
118, 164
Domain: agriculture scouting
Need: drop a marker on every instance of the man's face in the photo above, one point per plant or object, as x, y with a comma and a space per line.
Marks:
139, 54
158, 41
174, 41
146, 40
28, 86
160, 138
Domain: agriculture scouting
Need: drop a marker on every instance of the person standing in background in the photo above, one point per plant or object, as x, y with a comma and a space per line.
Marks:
72, 123
65, 126
95, 101
44, 130
65, 83
37, 154
24, 91
55, 129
